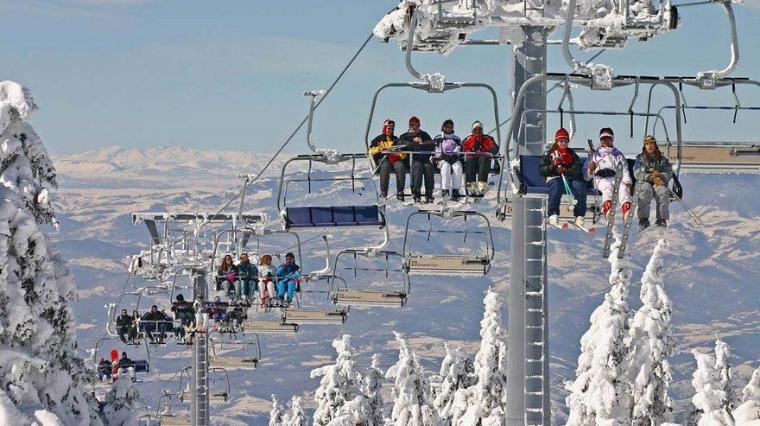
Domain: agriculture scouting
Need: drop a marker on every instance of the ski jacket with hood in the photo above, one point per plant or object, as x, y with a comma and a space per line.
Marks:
247, 270
288, 272
607, 158
569, 159
646, 164
448, 147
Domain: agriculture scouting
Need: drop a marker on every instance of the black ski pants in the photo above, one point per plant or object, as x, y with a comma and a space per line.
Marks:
422, 169
397, 167
477, 167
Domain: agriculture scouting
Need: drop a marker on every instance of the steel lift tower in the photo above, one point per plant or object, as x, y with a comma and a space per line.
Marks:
441, 26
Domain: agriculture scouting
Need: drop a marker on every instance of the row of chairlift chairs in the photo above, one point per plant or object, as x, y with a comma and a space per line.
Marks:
186, 247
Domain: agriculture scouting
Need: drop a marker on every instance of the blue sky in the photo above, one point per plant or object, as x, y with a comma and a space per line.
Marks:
229, 75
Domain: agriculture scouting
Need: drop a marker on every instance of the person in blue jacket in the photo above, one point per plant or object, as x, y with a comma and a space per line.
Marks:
287, 276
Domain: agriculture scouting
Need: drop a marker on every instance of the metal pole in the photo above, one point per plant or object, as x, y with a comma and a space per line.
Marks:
199, 413
527, 360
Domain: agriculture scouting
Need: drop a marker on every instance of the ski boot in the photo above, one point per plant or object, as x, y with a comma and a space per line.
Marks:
661, 223
606, 207
445, 193
580, 221
554, 220
400, 196
643, 223
455, 195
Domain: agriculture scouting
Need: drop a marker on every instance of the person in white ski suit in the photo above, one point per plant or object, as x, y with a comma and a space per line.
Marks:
601, 167
448, 158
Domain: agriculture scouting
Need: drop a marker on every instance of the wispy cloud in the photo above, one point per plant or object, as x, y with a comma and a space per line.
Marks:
57, 9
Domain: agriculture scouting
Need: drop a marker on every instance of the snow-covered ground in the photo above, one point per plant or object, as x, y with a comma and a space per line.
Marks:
713, 276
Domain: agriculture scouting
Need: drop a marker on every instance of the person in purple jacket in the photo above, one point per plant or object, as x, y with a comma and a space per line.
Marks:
448, 158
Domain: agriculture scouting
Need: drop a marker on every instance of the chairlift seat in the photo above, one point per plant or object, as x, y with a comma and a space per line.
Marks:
308, 316
141, 366
315, 217
447, 264
174, 420
370, 298
269, 327
711, 158
234, 362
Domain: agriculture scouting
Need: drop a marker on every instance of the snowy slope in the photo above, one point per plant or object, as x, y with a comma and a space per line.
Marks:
713, 278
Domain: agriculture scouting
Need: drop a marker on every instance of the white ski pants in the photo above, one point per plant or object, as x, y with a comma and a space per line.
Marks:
606, 187
451, 175
266, 288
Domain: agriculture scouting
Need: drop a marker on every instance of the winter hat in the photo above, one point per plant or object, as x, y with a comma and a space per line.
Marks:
650, 139
477, 124
388, 123
561, 134
606, 132
290, 254
414, 119
447, 121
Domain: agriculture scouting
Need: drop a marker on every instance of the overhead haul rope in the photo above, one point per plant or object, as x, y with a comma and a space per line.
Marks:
250, 182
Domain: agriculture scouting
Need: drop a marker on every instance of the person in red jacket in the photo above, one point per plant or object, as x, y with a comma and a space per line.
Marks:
480, 149
562, 164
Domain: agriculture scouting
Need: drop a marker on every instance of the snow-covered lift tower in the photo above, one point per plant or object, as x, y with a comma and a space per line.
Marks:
443, 25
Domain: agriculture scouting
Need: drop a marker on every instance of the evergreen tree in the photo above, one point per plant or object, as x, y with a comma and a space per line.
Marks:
713, 400
296, 417
749, 411
752, 390
411, 390
650, 346
337, 384
601, 391
453, 375
372, 387
41, 379
277, 412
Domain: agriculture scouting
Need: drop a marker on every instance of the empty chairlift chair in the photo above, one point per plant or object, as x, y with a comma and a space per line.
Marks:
474, 258
235, 354
218, 385
360, 266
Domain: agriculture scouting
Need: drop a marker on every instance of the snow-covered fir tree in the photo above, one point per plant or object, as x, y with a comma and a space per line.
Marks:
457, 372
367, 407
337, 384
651, 347
748, 413
485, 401
42, 380
411, 390
713, 400
296, 415
277, 413
601, 392
120, 403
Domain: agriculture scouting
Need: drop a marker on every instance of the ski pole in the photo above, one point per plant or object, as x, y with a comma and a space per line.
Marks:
593, 184
567, 189
693, 215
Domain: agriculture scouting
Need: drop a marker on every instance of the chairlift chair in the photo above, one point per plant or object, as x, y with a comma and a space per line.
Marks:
391, 268
168, 416
472, 263
258, 326
247, 361
218, 395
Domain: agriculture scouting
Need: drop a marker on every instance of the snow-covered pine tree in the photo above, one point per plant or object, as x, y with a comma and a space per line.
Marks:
651, 347
713, 400
277, 412
748, 413
411, 390
337, 384
296, 417
455, 373
120, 403
600, 393
41, 376
366, 408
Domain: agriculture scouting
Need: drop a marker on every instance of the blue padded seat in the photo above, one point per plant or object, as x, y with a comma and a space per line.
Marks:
532, 182
141, 366
314, 217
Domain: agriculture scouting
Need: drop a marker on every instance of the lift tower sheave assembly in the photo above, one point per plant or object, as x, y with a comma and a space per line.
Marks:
440, 26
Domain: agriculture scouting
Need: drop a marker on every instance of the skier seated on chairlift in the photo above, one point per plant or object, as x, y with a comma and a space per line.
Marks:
421, 145
653, 172
105, 369
217, 311
247, 276
266, 279
383, 151
287, 279
123, 365
448, 158
185, 314
155, 321
226, 275
125, 329
477, 164
601, 166
561, 166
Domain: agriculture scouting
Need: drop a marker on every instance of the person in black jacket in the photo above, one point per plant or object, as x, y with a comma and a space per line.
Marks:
561, 163
125, 362
155, 321
124, 327
422, 146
